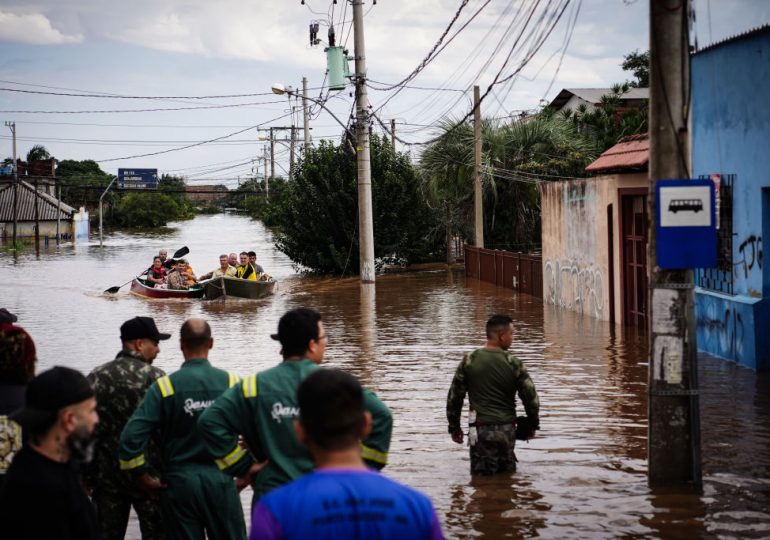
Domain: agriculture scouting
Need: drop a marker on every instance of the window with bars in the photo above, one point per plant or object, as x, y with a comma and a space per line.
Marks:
720, 278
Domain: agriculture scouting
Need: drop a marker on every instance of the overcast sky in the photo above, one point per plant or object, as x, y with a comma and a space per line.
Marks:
212, 48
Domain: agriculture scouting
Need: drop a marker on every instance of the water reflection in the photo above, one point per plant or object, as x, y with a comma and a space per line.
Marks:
584, 476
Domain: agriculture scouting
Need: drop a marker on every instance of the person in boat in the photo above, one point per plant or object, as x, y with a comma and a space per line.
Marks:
232, 260
177, 277
188, 273
224, 270
245, 270
163, 254
253, 261
156, 274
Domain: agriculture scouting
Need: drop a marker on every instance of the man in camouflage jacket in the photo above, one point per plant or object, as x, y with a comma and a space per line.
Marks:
491, 377
120, 386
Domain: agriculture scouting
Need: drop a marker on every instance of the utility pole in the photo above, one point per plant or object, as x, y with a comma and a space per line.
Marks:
674, 453
478, 208
305, 114
291, 154
365, 226
58, 211
393, 134
12, 126
267, 183
37, 218
272, 155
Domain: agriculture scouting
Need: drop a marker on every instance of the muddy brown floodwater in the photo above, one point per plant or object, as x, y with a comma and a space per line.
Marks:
584, 476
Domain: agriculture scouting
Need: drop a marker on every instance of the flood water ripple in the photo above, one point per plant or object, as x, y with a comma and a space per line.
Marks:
583, 476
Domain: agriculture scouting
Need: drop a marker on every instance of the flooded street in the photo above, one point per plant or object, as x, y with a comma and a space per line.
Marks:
584, 476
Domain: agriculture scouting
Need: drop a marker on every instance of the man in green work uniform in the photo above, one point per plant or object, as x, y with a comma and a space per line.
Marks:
491, 377
120, 386
262, 409
194, 495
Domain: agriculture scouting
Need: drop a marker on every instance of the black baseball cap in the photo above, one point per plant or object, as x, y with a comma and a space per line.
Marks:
141, 327
7, 317
50, 392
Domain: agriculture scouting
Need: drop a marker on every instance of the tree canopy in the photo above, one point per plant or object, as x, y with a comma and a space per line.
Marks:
638, 64
318, 212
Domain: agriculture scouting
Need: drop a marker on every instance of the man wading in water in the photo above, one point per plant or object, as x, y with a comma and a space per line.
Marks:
491, 376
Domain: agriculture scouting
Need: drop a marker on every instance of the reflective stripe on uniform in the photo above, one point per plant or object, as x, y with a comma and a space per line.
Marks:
250, 386
234, 379
127, 465
231, 458
166, 388
371, 454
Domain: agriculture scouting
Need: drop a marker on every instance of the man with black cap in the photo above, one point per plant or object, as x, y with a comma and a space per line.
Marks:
120, 386
43, 496
263, 407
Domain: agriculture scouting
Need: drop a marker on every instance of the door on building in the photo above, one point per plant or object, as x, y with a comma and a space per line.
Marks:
633, 218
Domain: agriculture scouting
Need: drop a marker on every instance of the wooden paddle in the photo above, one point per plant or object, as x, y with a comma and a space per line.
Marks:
181, 252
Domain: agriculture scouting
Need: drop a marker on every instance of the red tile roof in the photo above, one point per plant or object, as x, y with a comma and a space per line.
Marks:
632, 153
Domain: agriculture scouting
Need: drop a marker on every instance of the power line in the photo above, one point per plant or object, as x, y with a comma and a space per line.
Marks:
256, 103
196, 144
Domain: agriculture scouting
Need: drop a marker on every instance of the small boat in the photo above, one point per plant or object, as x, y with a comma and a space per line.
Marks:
241, 288
140, 288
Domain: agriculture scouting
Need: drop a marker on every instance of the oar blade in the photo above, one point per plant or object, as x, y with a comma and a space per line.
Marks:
112, 290
181, 252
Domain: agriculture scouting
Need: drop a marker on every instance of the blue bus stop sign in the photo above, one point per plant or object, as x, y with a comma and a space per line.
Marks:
686, 234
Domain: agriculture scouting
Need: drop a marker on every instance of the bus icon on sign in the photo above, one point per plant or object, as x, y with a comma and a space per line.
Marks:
685, 205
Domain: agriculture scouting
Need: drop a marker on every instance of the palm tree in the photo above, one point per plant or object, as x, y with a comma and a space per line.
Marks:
37, 153
445, 173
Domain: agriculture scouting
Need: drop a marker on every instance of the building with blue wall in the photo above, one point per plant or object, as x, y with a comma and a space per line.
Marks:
730, 126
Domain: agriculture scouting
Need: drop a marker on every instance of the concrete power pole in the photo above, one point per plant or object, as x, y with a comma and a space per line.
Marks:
478, 202
272, 155
365, 226
305, 115
12, 126
674, 454
291, 154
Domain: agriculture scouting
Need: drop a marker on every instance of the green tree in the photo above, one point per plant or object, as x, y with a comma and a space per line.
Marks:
83, 182
638, 64
37, 153
610, 120
318, 210
146, 210
446, 175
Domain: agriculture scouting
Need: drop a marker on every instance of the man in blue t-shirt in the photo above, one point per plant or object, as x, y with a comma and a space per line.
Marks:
341, 498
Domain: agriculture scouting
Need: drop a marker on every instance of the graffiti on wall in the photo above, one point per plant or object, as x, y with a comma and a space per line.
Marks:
722, 329
570, 286
750, 255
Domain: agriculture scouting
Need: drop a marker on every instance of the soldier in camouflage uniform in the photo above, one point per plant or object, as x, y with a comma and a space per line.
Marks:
120, 386
491, 377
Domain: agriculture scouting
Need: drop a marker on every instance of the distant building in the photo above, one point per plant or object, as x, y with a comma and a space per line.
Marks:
730, 124
206, 193
72, 224
572, 98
